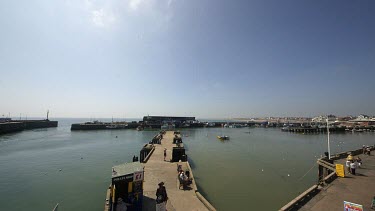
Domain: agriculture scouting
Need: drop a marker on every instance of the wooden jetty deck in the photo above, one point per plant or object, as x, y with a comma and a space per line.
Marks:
157, 170
359, 188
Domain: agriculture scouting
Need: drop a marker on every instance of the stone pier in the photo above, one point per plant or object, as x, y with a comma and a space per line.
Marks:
157, 170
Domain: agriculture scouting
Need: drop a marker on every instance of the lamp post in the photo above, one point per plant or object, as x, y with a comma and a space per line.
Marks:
329, 150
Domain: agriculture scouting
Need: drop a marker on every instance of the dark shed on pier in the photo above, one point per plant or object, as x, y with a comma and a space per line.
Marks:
127, 186
178, 153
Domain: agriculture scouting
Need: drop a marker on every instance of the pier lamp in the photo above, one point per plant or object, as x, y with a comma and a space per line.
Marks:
329, 150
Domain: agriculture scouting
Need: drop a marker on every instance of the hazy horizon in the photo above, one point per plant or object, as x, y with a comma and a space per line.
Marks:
130, 58
198, 118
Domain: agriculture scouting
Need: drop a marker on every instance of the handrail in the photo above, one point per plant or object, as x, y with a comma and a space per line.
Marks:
56, 207
300, 197
149, 155
330, 176
326, 165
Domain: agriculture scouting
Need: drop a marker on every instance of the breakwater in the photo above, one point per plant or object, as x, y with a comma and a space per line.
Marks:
96, 125
15, 126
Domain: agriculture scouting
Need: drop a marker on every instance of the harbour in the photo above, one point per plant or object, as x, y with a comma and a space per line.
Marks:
181, 105
263, 158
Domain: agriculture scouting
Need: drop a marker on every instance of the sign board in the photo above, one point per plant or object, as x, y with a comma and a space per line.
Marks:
138, 176
126, 177
348, 206
340, 170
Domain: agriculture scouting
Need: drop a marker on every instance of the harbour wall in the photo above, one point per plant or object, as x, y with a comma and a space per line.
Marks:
133, 125
104, 126
15, 126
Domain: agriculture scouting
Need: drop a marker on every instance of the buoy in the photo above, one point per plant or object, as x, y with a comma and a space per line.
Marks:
60, 170
288, 175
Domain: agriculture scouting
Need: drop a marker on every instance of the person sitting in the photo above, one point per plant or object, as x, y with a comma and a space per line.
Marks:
187, 173
184, 179
181, 178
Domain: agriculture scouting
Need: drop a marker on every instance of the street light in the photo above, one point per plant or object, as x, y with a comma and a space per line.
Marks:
329, 150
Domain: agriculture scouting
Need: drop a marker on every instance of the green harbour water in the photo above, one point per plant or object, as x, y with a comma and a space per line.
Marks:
263, 169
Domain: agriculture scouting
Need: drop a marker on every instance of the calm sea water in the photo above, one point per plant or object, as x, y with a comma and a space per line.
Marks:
263, 169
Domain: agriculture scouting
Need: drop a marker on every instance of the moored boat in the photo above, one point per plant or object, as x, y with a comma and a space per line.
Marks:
223, 137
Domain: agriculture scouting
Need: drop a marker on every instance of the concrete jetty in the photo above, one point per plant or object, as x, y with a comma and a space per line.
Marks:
359, 189
157, 170
331, 191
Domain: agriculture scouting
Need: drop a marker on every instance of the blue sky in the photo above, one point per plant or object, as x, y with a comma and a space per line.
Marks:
204, 58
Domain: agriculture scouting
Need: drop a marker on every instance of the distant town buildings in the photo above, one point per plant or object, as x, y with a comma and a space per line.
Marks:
347, 121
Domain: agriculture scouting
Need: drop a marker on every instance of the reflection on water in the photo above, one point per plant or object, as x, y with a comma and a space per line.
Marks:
263, 168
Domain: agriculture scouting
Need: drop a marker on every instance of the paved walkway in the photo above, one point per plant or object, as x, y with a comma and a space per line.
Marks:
157, 170
359, 188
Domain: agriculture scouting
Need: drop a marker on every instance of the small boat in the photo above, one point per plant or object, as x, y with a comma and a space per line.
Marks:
223, 137
117, 126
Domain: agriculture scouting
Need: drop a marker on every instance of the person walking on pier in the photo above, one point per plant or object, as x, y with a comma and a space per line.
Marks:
161, 198
165, 153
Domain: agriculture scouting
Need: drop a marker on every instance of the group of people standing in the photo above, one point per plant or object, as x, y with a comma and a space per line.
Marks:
184, 178
353, 163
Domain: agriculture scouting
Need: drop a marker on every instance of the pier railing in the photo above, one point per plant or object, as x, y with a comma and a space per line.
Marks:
149, 155
146, 152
